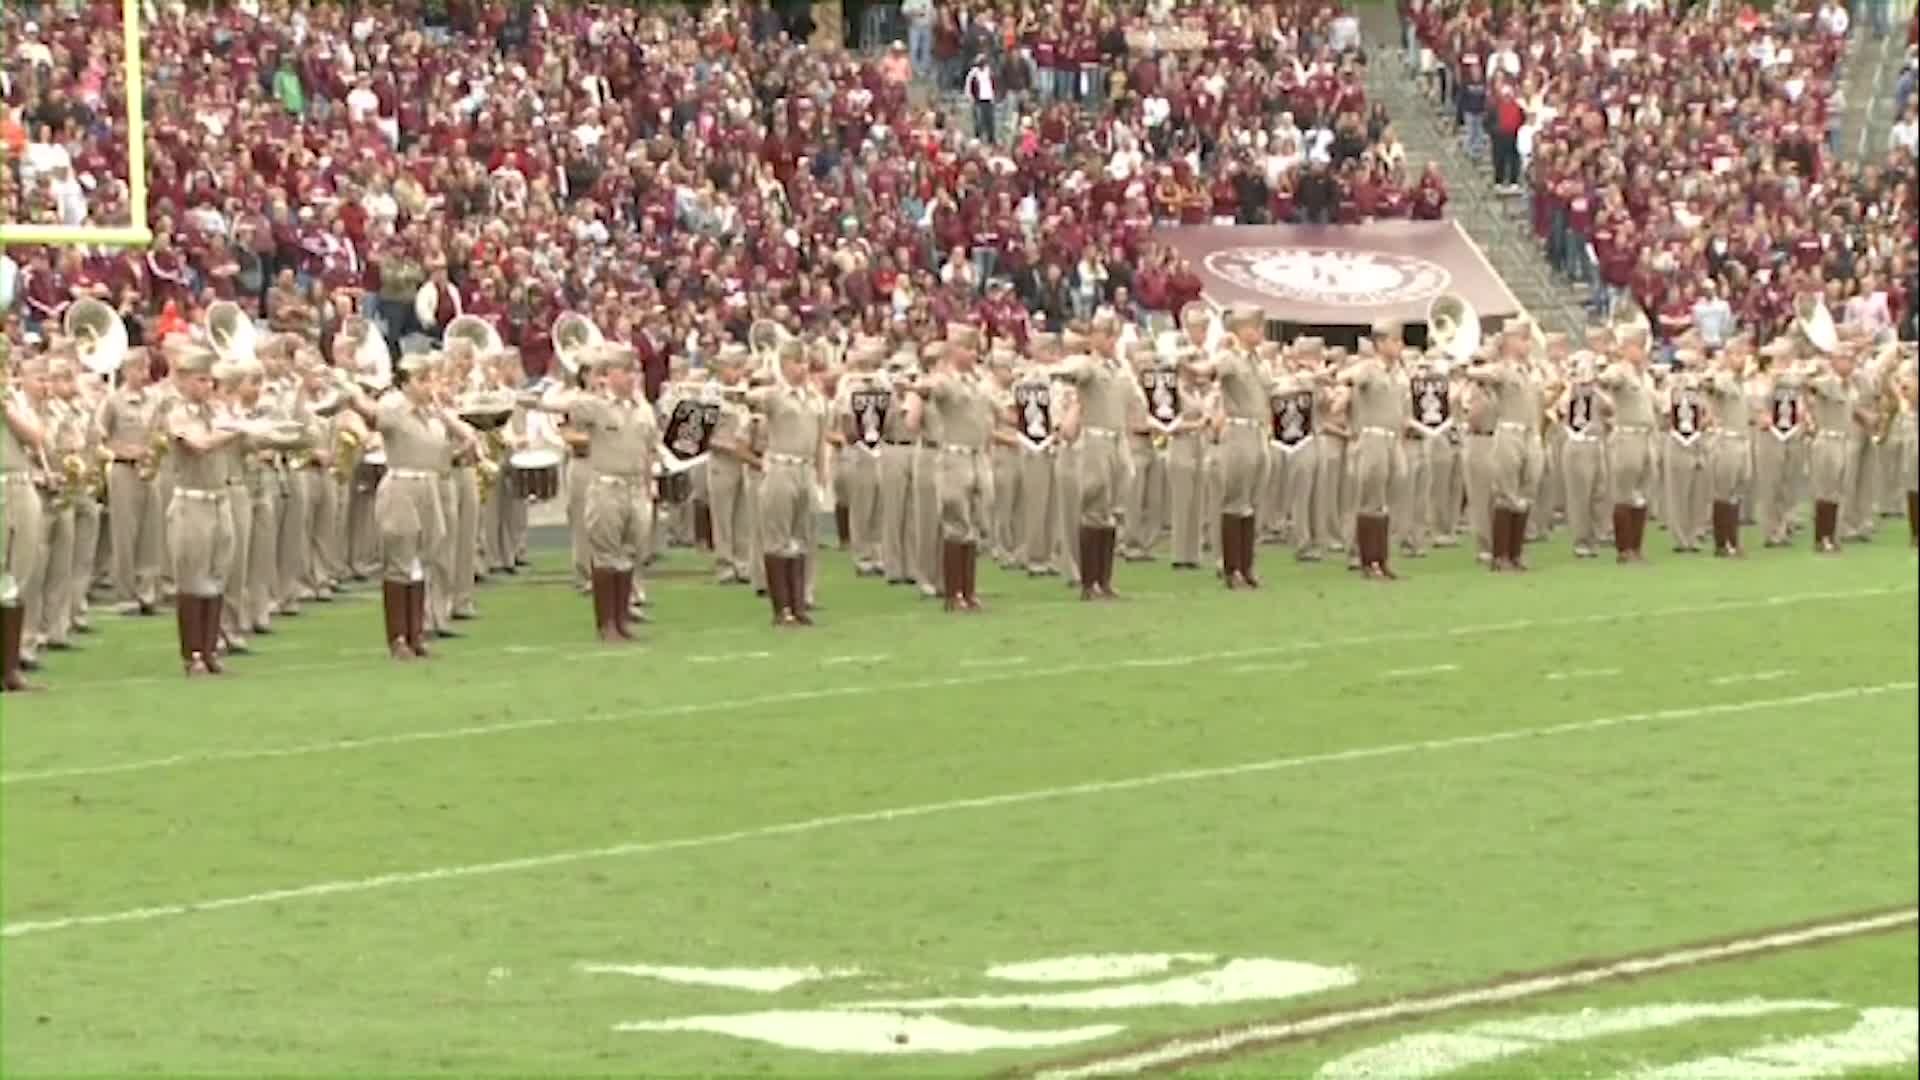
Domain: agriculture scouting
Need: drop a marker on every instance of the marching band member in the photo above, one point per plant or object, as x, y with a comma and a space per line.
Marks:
1106, 391
126, 422
1516, 449
407, 505
1295, 452
1731, 453
200, 534
1380, 397
1246, 394
1834, 405
924, 516
896, 472
1687, 423
1857, 520
1583, 469
1007, 459
727, 466
794, 469
1429, 420
20, 447
1629, 400
580, 480
1152, 412
1780, 454
861, 405
1031, 416
1904, 380
962, 411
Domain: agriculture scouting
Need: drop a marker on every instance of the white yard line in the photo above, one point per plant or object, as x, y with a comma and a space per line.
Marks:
727, 658
1016, 671
993, 662
1752, 676
1180, 1052
1416, 672
924, 810
1274, 668
863, 658
1582, 673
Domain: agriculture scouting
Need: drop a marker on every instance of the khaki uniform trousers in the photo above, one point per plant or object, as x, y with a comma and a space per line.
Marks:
788, 524
1446, 462
263, 549
1243, 466
751, 481
1777, 465
1332, 495
1891, 466
49, 615
1066, 498
1212, 491
895, 497
236, 621
1904, 445
294, 550
1551, 490
924, 519
21, 511
363, 532
1412, 497
1186, 463
1007, 522
1857, 507
964, 480
579, 483
412, 523
618, 519
1830, 461
1583, 475
134, 522
732, 523
1689, 489
1035, 503
86, 556
860, 494
200, 541
1517, 460
463, 545
1375, 460
1296, 476
1630, 465
1479, 455
323, 527
1146, 504
1731, 459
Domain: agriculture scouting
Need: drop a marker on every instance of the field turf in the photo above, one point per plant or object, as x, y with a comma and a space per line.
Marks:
1320, 796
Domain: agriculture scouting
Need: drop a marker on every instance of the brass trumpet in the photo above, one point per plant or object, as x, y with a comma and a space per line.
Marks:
102, 462
73, 479
159, 444
346, 455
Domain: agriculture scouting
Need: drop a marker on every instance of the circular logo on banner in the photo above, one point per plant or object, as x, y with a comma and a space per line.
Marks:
1331, 275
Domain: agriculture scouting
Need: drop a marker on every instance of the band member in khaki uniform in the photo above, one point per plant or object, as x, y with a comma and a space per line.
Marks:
1478, 458
1246, 393
728, 505
259, 580
1516, 444
240, 466
1834, 406
407, 507
861, 404
1186, 463
1688, 481
1105, 391
1379, 411
50, 610
291, 547
199, 524
24, 435
1780, 446
1154, 416
1333, 428
923, 515
1429, 421
1857, 517
1731, 452
963, 476
82, 395
313, 476
896, 476
580, 483
1583, 469
1904, 435
1032, 418
794, 469
1066, 470
1295, 457
1007, 456
1629, 396
623, 438
1447, 458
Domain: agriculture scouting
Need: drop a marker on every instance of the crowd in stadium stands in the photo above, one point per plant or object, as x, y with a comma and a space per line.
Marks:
674, 174
1689, 165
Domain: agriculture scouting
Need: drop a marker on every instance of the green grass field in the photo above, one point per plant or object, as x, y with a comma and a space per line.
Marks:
1324, 795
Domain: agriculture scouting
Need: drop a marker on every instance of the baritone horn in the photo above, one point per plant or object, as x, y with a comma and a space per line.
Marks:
574, 336
1453, 327
100, 334
230, 330
764, 340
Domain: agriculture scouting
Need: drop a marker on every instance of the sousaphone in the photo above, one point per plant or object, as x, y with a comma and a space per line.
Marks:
1453, 327
1815, 323
764, 339
231, 332
574, 336
99, 333
476, 332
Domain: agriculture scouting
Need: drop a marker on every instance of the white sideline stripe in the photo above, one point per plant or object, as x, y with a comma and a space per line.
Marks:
861, 658
1005, 661
722, 658
1175, 1054
1582, 673
922, 810
1272, 668
1414, 672
400, 738
1754, 676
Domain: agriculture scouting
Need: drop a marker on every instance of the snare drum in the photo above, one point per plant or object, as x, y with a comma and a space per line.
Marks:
536, 473
366, 475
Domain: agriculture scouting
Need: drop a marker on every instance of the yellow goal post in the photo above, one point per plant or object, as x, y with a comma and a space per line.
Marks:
135, 233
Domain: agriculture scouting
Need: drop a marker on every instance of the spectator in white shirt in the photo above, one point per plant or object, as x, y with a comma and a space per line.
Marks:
981, 90
1834, 19
1906, 134
1713, 316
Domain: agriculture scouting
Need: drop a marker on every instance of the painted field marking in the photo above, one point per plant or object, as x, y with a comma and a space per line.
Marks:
868, 658
1753, 676
1185, 1051
1582, 673
1271, 668
505, 727
526, 650
1158, 661
805, 826
1416, 672
727, 658
1880, 1038
993, 662
760, 980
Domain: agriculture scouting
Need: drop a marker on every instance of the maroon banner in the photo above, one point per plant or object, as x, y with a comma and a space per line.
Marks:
1347, 275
